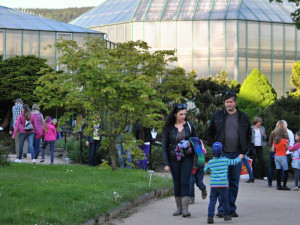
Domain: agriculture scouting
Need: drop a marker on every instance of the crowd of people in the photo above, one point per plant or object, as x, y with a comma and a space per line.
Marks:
234, 141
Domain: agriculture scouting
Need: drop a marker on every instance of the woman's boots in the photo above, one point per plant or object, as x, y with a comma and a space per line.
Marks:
285, 178
179, 206
185, 206
279, 187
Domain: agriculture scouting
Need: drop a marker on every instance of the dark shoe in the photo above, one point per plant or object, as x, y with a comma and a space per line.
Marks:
285, 188
233, 214
204, 194
24, 155
279, 188
42, 160
210, 219
251, 180
227, 218
220, 214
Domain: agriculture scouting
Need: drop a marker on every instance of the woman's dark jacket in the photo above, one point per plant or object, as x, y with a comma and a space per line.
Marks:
169, 142
216, 129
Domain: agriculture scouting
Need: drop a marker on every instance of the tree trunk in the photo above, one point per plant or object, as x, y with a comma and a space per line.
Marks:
112, 152
6, 120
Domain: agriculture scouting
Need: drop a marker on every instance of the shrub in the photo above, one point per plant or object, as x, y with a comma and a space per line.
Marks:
295, 79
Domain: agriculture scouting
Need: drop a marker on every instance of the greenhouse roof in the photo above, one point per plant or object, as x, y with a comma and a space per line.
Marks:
16, 19
119, 11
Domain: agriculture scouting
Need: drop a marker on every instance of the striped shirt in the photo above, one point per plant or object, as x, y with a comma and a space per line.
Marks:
219, 170
16, 111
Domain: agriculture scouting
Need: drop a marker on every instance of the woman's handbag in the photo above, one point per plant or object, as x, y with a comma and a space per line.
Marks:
28, 126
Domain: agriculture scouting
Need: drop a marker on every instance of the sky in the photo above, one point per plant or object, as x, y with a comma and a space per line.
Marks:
50, 4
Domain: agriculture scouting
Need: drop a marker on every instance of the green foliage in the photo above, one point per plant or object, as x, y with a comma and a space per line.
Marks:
295, 79
64, 15
286, 108
255, 93
113, 87
210, 98
68, 194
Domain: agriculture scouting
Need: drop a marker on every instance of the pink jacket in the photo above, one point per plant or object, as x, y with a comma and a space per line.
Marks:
20, 124
51, 134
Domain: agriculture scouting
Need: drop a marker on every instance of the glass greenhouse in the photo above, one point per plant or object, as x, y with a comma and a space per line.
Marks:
209, 35
23, 33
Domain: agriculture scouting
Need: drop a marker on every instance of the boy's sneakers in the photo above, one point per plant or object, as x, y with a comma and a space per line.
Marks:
227, 218
191, 201
18, 160
295, 188
210, 219
42, 160
33, 161
204, 194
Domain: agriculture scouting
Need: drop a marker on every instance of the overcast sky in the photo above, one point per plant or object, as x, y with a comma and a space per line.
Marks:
53, 4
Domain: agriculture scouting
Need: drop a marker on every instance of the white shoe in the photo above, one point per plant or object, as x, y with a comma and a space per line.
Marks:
265, 178
295, 189
18, 160
33, 161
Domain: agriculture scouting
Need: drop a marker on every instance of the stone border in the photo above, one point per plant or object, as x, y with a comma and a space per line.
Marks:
126, 206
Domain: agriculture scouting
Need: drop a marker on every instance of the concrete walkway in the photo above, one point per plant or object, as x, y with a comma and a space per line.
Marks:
57, 160
257, 205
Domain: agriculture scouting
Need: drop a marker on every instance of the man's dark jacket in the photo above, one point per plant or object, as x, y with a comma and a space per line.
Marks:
216, 129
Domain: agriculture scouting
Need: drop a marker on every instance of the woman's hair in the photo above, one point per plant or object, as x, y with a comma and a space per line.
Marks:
35, 107
257, 120
279, 135
54, 120
171, 119
27, 111
47, 119
280, 124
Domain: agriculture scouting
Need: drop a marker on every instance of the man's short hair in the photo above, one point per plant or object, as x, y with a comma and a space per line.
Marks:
230, 94
19, 101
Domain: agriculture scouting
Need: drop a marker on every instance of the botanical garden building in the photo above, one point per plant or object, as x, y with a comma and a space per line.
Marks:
209, 35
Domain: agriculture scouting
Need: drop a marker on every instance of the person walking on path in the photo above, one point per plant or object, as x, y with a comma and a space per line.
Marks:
176, 129
295, 150
39, 122
219, 180
232, 128
50, 135
27, 127
258, 143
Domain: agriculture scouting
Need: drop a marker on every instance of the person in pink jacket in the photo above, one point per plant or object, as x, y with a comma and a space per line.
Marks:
27, 127
50, 135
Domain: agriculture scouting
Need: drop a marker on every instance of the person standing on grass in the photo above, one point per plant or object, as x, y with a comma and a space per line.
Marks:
144, 134
219, 180
176, 129
94, 143
232, 128
295, 150
25, 119
50, 136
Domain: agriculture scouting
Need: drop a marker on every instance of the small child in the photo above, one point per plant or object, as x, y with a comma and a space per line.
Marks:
219, 180
50, 136
55, 124
296, 160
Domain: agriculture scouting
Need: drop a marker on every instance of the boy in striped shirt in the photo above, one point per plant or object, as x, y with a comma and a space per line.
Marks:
219, 180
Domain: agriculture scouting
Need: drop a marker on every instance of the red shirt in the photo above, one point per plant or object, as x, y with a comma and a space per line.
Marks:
280, 148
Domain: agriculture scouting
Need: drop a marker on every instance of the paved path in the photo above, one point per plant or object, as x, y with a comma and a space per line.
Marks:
57, 160
257, 205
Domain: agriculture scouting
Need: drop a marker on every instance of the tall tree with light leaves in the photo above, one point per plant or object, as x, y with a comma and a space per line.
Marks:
114, 87
295, 79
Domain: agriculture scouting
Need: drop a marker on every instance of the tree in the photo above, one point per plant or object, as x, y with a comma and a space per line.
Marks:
256, 93
18, 76
295, 15
295, 79
113, 87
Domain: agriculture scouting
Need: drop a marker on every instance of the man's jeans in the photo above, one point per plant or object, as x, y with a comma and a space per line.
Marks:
248, 167
122, 161
198, 179
217, 193
51, 149
36, 146
30, 136
234, 173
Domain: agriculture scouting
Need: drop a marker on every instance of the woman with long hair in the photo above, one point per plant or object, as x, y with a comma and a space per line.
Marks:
27, 127
50, 135
176, 129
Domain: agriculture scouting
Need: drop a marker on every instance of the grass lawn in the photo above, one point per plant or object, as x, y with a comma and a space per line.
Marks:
67, 194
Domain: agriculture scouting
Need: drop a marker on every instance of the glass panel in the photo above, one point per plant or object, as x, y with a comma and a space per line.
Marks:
200, 51
288, 72
266, 68
13, 43
141, 10
284, 15
185, 60
111, 33
266, 8
155, 10
255, 9
203, 10
120, 33
187, 10
219, 9
1, 42
171, 10
230, 69
31, 43
242, 51
278, 41
289, 42
247, 13
217, 47
138, 31
266, 49
231, 48
80, 38
152, 34
233, 9
253, 46
278, 77
298, 44
47, 38
184, 35
128, 32
168, 35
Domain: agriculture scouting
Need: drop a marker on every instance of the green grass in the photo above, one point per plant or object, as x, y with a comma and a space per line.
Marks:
67, 194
